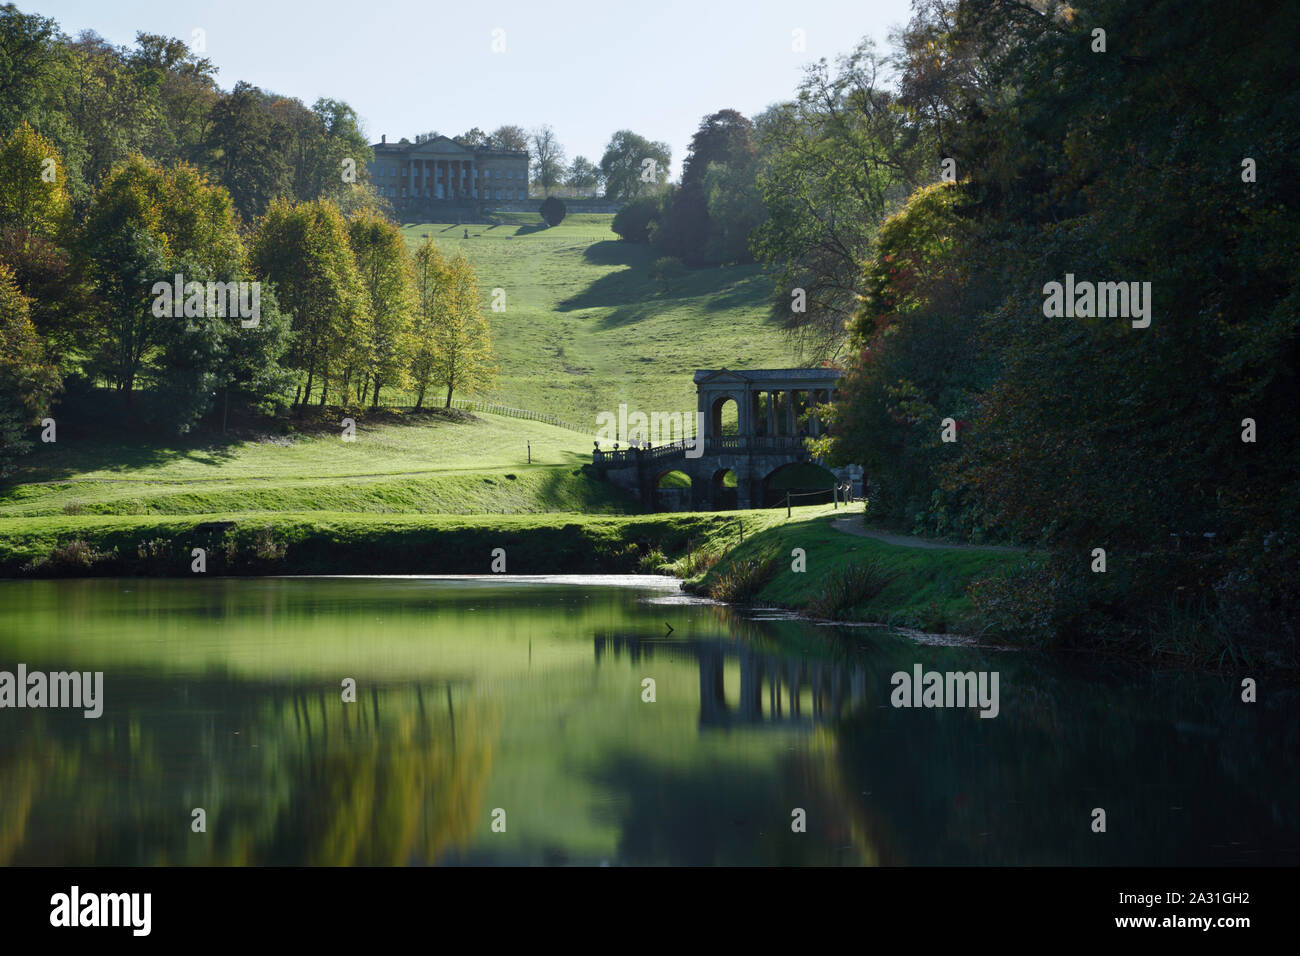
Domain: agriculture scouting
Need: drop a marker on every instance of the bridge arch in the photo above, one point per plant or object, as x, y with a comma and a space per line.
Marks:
804, 480
671, 490
724, 415
724, 489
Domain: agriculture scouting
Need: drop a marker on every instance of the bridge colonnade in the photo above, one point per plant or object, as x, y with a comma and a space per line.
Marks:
774, 416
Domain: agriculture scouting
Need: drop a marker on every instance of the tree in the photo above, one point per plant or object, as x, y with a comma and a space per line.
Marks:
625, 169
246, 150
547, 158
582, 174
724, 138
452, 343
509, 138
832, 164
30, 55
432, 304
33, 185
464, 340
474, 138
187, 92
914, 359
28, 378
304, 251
735, 209
385, 273
35, 214
126, 250
553, 210
146, 227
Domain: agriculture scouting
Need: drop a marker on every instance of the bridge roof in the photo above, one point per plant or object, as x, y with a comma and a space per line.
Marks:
767, 376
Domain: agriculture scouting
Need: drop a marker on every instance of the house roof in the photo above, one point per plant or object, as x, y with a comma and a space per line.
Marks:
768, 376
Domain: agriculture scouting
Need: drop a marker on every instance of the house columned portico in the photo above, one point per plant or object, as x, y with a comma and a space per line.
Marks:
413, 176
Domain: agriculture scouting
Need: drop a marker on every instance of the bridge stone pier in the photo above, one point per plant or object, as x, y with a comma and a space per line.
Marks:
773, 417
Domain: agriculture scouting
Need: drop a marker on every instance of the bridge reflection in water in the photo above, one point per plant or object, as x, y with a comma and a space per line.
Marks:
774, 690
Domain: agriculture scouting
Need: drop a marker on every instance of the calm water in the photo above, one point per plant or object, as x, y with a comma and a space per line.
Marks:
526, 696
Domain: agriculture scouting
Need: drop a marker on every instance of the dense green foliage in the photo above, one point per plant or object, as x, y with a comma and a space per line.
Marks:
553, 210
1173, 446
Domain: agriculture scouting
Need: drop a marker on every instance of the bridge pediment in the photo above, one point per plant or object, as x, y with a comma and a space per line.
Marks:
721, 376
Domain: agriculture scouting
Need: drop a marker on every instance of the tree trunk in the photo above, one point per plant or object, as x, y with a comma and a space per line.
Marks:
311, 374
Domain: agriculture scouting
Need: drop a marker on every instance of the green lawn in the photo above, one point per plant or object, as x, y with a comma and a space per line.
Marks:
402, 464
922, 588
585, 328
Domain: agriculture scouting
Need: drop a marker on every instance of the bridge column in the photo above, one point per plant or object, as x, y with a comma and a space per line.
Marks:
701, 494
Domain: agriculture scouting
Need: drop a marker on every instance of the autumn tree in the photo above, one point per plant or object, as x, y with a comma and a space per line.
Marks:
385, 273
303, 250
29, 379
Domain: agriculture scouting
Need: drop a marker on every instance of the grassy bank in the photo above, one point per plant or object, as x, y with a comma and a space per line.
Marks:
338, 543
845, 577
851, 578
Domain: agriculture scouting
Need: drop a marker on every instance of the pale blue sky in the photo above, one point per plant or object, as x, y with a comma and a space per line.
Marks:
587, 68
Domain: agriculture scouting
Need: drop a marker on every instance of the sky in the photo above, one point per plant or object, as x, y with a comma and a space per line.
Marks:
587, 69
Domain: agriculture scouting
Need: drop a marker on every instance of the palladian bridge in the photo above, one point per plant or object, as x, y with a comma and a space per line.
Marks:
774, 414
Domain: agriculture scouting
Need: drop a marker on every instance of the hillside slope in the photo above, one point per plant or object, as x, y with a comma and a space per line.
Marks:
585, 328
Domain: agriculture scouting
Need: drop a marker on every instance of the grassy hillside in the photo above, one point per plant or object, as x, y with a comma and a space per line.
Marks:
433, 462
585, 327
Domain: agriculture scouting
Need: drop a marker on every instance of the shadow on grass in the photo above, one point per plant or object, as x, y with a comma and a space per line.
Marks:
97, 435
632, 295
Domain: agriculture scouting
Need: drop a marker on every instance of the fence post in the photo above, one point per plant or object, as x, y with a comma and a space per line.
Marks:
787, 504
835, 497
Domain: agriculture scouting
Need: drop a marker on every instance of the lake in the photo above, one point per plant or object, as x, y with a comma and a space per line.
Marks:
505, 720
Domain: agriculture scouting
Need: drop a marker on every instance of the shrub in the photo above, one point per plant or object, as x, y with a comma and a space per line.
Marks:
74, 558
154, 556
267, 547
634, 222
1016, 604
553, 210
741, 581
651, 562
849, 587
667, 271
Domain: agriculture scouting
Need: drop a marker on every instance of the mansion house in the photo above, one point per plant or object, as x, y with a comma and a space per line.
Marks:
440, 170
